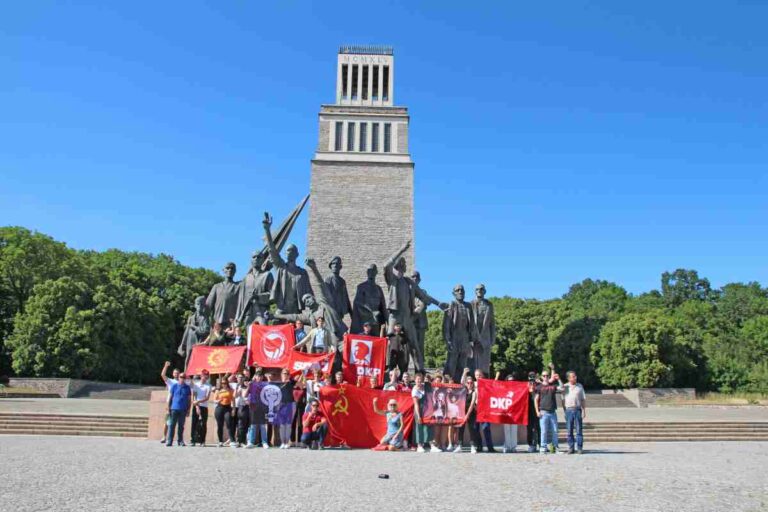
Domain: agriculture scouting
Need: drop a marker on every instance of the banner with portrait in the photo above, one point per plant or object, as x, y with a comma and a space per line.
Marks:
351, 418
270, 346
300, 361
445, 404
364, 356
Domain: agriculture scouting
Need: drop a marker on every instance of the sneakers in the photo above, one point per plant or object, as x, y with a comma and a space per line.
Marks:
450, 447
491, 449
435, 448
421, 449
219, 445
181, 443
571, 451
264, 445
473, 450
531, 449
162, 441
234, 445
456, 450
580, 451
194, 444
249, 446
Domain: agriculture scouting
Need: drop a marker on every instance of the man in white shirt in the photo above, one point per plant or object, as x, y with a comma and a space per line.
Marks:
201, 392
575, 402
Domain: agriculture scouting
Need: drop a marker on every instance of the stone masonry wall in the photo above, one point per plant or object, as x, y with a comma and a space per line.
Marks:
362, 212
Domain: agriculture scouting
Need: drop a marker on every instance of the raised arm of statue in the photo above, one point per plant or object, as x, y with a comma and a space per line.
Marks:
390, 264
424, 296
316, 281
274, 254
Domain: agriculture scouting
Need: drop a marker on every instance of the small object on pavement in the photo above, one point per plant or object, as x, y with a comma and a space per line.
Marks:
384, 476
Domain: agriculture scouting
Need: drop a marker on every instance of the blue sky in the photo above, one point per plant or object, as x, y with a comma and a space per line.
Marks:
553, 142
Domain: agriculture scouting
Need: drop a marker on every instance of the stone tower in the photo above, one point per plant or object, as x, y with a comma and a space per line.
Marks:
361, 191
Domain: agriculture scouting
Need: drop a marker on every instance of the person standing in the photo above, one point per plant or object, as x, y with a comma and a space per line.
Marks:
257, 420
298, 331
470, 418
318, 340
546, 410
168, 383
223, 396
179, 398
533, 430
422, 430
243, 412
510, 431
575, 411
284, 417
201, 393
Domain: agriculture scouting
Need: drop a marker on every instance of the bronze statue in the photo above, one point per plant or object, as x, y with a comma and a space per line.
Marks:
292, 282
255, 291
223, 297
196, 330
401, 295
369, 304
459, 333
420, 321
485, 319
338, 288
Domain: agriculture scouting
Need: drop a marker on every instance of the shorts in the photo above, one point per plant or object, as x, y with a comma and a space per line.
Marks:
393, 440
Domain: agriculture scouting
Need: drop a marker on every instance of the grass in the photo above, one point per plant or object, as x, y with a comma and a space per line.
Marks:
718, 399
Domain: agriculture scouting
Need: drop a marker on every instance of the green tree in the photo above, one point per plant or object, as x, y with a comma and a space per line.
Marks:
755, 336
634, 351
682, 285
569, 348
596, 299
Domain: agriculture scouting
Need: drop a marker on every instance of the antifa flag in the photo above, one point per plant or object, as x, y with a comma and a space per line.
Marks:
502, 401
270, 346
350, 415
267, 399
300, 361
214, 359
445, 405
364, 356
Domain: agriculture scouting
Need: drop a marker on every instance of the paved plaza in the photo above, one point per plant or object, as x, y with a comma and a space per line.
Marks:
68, 473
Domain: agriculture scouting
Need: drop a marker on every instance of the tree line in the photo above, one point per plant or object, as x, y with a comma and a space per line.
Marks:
117, 316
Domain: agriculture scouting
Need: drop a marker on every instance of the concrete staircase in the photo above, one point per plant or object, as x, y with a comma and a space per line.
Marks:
73, 425
608, 400
603, 432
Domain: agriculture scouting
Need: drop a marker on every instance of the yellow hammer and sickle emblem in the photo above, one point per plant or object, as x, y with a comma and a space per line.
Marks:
341, 405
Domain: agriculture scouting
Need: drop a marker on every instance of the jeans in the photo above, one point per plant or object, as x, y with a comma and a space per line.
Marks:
548, 426
485, 428
422, 433
573, 421
223, 415
199, 425
177, 422
252, 433
317, 435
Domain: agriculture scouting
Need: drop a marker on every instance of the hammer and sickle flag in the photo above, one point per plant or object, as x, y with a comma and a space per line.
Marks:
215, 359
351, 419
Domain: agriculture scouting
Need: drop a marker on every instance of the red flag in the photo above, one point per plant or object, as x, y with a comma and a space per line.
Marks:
502, 401
351, 419
270, 346
214, 359
445, 405
300, 361
365, 356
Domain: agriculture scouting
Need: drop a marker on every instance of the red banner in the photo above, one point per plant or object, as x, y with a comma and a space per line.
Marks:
502, 401
300, 361
445, 405
270, 346
214, 359
351, 419
364, 356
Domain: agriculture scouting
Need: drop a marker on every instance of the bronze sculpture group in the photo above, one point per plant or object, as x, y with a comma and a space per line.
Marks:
469, 328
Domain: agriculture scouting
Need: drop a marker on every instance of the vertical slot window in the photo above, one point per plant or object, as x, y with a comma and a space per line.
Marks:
375, 137
364, 94
351, 137
337, 136
387, 137
354, 81
344, 81
375, 78
385, 85
363, 145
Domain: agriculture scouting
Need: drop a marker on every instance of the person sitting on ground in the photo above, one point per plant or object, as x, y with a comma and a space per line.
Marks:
314, 424
179, 400
575, 411
168, 383
223, 396
393, 439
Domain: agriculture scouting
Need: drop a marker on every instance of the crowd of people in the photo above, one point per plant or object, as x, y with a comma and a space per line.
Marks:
301, 423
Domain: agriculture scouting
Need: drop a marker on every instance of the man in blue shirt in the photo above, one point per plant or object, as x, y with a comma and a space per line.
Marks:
179, 399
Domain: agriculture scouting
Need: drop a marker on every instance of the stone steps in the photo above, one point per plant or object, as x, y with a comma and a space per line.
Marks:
671, 431
73, 425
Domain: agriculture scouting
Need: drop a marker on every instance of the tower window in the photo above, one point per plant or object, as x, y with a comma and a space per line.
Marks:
344, 81
354, 81
375, 78
385, 85
363, 145
375, 137
387, 137
350, 136
365, 82
337, 136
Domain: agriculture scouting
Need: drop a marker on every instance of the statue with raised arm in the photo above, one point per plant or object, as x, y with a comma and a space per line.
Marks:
222, 299
400, 298
255, 292
196, 329
338, 288
369, 304
292, 282
485, 319
459, 333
